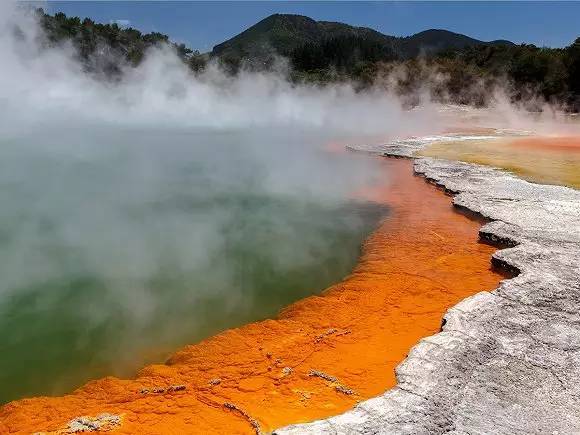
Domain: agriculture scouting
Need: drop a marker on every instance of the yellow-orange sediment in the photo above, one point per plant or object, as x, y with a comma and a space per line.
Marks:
323, 353
552, 160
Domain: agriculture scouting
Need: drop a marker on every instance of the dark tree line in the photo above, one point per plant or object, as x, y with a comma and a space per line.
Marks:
344, 53
103, 48
465, 75
549, 73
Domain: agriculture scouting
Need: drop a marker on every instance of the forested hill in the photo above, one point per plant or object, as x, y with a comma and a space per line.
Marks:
292, 35
453, 67
282, 34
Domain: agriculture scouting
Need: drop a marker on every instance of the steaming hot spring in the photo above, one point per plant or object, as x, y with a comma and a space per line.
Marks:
136, 244
234, 255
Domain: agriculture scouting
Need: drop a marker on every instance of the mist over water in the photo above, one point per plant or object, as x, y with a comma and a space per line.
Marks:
142, 215
118, 247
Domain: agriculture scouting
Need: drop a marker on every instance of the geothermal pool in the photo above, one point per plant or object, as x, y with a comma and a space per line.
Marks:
119, 247
324, 353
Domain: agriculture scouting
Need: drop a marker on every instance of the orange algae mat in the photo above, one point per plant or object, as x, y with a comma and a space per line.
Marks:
322, 355
543, 159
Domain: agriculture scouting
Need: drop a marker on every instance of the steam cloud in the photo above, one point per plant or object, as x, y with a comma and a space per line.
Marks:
140, 215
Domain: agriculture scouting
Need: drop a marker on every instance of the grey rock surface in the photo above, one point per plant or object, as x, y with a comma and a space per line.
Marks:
101, 423
506, 361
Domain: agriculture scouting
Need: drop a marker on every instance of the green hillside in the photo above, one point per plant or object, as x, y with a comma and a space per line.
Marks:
283, 34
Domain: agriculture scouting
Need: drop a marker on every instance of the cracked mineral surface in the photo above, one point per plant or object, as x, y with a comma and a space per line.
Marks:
506, 361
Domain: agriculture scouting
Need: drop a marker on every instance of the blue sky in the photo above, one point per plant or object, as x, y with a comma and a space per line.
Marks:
204, 24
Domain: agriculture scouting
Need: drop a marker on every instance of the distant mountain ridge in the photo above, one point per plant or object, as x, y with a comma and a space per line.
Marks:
284, 33
437, 40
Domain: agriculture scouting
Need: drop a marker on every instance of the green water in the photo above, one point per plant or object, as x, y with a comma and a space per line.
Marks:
113, 258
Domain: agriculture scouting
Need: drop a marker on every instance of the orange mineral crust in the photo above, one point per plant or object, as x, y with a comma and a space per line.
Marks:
322, 354
555, 143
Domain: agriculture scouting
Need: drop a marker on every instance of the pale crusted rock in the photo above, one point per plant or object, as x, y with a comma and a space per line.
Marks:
101, 423
506, 362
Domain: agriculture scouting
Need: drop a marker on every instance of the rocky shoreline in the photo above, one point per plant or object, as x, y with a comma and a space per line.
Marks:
506, 361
